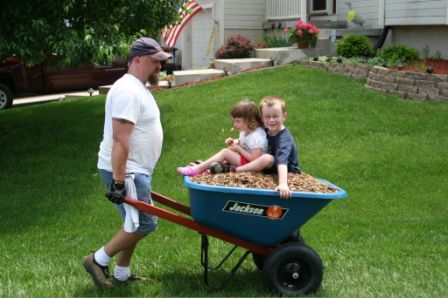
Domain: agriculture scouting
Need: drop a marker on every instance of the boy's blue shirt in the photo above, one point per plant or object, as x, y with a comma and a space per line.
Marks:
284, 149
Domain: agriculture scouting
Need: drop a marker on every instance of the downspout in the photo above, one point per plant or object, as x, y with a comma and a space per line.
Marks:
382, 39
381, 24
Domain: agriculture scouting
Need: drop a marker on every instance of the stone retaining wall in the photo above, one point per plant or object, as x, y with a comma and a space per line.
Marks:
411, 85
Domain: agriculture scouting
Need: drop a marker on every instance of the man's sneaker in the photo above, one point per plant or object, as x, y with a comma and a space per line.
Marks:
100, 274
216, 168
132, 278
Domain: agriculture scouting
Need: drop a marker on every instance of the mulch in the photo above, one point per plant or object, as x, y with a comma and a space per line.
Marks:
297, 182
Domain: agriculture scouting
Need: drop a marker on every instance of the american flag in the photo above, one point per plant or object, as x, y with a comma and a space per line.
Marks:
171, 34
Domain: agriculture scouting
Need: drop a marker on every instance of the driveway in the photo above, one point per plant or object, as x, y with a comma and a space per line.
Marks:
40, 99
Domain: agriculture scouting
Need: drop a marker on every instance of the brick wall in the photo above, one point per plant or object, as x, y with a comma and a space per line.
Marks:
410, 85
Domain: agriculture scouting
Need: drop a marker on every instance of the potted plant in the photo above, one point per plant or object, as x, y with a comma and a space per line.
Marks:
302, 33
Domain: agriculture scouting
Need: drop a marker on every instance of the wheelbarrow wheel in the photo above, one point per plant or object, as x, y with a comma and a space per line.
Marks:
294, 237
293, 269
258, 260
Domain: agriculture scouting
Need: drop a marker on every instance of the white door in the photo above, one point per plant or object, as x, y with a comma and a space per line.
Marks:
201, 35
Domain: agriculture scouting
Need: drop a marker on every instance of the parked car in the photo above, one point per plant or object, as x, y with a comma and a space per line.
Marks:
16, 79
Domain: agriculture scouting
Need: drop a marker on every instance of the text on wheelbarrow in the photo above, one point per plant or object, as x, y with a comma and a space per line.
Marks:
271, 212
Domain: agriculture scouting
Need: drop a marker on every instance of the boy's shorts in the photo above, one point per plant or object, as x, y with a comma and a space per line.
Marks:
147, 222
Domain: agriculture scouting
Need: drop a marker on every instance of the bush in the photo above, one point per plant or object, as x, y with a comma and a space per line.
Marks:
354, 46
237, 46
275, 41
393, 53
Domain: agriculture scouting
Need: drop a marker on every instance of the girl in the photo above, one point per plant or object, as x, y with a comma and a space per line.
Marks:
251, 144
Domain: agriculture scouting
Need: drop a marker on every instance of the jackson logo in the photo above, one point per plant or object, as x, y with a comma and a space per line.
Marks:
271, 212
275, 212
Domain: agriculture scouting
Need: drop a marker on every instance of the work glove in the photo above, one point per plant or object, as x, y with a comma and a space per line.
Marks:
116, 192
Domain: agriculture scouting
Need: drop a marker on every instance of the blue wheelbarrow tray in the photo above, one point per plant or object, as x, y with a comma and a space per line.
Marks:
257, 215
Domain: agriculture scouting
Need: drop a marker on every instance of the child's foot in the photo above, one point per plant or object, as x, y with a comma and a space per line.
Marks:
216, 168
188, 171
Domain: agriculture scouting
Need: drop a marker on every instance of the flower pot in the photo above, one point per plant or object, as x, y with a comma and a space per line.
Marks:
303, 44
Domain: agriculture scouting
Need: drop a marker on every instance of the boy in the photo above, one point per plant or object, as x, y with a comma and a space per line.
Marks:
283, 154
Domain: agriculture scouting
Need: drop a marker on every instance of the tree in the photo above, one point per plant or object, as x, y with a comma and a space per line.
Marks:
79, 31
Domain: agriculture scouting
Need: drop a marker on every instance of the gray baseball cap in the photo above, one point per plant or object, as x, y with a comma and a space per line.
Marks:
146, 46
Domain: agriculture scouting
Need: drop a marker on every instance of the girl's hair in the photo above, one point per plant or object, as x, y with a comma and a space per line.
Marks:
248, 110
269, 101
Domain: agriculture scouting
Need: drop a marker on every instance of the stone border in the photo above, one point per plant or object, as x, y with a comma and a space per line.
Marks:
412, 85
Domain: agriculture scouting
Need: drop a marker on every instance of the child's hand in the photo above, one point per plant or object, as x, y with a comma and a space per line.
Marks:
229, 141
283, 188
234, 147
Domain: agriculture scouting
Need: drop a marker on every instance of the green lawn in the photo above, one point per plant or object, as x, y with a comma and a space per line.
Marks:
388, 238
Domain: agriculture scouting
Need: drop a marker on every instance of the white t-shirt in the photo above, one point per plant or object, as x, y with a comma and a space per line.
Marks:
129, 99
254, 140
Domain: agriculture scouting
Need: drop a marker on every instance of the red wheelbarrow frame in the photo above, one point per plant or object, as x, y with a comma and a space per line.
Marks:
191, 224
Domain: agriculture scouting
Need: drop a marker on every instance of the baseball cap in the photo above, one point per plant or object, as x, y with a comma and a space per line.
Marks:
146, 46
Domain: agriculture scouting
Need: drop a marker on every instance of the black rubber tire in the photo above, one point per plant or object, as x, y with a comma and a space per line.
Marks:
293, 269
6, 97
260, 259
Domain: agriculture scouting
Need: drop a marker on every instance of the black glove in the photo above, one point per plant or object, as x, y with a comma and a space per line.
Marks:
116, 192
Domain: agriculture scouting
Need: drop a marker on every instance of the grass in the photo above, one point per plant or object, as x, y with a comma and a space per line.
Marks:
388, 238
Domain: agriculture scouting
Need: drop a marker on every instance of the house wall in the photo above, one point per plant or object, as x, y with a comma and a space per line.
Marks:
244, 17
433, 37
416, 12
368, 10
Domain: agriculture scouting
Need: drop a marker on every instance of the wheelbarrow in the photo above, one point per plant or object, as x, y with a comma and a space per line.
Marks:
257, 220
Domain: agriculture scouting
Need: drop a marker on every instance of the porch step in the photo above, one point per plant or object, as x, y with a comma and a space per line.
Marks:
182, 77
233, 66
281, 55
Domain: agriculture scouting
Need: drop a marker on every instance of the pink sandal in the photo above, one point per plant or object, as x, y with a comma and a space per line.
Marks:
188, 171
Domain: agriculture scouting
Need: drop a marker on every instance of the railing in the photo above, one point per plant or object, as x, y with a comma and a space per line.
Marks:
285, 9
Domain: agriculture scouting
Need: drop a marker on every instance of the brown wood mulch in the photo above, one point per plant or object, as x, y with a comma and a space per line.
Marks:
297, 182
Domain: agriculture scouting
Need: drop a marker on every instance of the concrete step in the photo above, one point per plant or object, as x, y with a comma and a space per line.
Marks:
233, 66
182, 77
281, 55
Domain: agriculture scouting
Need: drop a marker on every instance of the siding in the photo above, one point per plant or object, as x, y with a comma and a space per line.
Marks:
368, 10
247, 14
416, 12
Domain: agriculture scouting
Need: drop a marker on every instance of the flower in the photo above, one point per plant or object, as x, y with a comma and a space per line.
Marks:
301, 31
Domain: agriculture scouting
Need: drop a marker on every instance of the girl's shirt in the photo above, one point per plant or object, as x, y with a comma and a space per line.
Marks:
254, 140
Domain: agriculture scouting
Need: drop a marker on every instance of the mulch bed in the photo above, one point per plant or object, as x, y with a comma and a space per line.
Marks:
439, 66
297, 182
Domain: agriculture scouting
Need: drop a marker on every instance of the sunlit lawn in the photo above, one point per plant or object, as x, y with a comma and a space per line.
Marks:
388, 238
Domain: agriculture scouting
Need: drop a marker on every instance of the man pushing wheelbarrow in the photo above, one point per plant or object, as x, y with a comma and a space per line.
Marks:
271, 223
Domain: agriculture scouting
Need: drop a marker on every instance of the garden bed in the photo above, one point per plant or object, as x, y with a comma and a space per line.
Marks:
407, 84
297, 182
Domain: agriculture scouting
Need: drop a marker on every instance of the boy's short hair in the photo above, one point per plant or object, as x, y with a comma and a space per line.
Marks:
269, 101
247, 109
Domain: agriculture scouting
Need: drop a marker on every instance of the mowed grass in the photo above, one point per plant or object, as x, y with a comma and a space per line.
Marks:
388, 238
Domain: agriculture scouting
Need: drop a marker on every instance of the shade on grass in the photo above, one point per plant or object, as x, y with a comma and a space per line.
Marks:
388, 238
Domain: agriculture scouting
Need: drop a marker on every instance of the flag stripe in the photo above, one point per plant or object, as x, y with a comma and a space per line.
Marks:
170, 35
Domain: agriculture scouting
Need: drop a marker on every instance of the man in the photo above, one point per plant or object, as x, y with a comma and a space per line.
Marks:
129, 151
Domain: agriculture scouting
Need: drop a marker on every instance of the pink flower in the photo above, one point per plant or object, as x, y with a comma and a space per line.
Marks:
286, 29
298, 24
299, 33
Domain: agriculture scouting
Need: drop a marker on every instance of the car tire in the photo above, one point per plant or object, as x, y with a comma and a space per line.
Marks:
6, 97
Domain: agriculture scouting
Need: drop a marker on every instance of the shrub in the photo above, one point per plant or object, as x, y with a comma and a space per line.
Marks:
237, 46
275, 41
354, 46
394, 53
